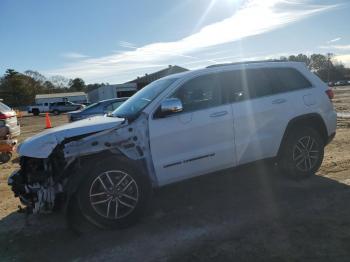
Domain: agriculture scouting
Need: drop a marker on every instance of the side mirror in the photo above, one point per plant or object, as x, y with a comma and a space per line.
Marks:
170, 106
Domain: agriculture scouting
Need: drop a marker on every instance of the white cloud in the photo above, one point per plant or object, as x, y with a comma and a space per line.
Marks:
337, 47
254, 17
334, 40
345, 59
126, 44
74, 55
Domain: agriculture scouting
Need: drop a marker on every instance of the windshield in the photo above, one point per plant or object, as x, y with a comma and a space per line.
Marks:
135, 104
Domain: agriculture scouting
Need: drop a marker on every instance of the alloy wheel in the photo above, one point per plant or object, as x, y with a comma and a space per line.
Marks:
306, 153
113, 194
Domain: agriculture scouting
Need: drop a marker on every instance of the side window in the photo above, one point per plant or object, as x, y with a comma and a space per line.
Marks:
199, 93
109, 108
113, 106
287, 79
117, 104
258, 83
244, 84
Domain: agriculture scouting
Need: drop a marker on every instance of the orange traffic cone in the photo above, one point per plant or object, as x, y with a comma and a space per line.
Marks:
48, 121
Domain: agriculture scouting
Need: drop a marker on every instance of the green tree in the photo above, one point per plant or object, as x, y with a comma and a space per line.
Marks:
300, 58
18, 89
77, 84
319, 62
59, 81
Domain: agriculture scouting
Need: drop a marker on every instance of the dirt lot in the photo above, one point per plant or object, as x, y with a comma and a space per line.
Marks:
250, 214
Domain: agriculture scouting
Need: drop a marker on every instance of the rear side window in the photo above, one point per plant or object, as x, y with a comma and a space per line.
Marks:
287, 79
246, 84
200, 93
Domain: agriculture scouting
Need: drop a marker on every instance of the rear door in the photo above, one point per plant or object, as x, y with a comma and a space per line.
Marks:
261, 112
198, 140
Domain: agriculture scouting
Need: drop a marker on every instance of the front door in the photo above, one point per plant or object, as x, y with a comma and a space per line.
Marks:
197, 140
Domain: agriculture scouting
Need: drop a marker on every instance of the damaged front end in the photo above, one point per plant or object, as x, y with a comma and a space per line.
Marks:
45, 184
36, 185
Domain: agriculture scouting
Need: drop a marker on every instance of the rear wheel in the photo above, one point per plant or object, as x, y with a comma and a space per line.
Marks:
302, 153
56, 112
114, 194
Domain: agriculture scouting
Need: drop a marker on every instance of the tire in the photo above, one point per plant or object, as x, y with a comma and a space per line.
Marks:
302, 153
56, 112
116, 199
35, 112
5, 157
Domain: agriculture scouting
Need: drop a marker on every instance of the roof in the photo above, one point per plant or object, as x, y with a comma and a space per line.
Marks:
233, 66
147, 78
113, 99
246, 62
60, 95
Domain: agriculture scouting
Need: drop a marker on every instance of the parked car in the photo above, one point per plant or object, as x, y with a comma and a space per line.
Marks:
99, 108
9, 126
175, 128
38, 108
61, 107
341, 83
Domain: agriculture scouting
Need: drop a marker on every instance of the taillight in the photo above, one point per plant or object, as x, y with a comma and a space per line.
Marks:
5, 116
330, 93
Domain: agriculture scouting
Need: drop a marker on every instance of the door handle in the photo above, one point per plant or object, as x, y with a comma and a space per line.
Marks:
279, 101
218, 114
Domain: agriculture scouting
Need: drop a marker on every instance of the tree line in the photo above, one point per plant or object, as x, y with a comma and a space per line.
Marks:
325, 66
19, 89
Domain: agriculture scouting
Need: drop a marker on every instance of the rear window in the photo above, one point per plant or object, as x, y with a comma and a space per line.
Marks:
4, 108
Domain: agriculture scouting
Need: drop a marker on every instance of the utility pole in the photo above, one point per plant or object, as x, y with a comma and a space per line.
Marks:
329, 55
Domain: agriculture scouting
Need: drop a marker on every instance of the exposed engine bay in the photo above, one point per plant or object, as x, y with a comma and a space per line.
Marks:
45, 184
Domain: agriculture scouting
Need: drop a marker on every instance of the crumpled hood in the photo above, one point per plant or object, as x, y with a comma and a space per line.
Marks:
42, 144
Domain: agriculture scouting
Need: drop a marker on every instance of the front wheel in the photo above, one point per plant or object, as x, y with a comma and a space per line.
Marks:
114, 194
302, 153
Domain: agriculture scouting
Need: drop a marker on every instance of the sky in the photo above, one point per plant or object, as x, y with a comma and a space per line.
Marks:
113, 41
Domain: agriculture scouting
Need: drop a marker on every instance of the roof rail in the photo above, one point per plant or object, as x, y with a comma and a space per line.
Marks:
246, 62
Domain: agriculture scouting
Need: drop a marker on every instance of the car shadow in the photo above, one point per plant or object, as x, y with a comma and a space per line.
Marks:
251, 213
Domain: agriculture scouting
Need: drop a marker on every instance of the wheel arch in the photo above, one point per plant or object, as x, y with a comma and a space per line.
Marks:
80, 165
312, 120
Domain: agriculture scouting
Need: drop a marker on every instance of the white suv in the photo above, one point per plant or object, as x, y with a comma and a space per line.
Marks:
178, 127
